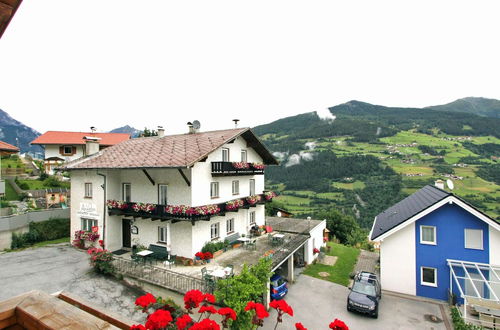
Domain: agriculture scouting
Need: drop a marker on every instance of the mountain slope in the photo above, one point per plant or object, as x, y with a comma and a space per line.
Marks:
134, 132
10, 129
475, 105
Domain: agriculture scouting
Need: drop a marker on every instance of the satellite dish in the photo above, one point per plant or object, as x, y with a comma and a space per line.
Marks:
196, 124
450, 184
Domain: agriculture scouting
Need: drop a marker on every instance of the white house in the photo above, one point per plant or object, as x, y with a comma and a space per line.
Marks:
63, 147
173, 175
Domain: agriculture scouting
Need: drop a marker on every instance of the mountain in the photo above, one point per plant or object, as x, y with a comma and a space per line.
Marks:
361, 158
134, 132
10, 129
476, 105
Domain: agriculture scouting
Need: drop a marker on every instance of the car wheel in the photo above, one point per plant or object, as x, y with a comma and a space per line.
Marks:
348, 309
375, 315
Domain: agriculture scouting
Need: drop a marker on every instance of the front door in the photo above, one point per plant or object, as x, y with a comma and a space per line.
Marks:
126, 236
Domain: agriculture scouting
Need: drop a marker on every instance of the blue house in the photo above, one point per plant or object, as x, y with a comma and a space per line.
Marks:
433, 243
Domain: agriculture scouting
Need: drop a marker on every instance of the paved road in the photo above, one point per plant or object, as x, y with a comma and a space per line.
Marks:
316, 303
62, 267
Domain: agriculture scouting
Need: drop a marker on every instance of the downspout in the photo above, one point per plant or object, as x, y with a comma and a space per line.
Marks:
104, 210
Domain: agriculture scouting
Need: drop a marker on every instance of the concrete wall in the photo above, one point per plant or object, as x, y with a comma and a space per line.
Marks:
316, 241
397, 261
19, 223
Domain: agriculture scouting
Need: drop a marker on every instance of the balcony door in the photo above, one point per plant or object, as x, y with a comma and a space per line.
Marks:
162, 194
127, 192
126, 233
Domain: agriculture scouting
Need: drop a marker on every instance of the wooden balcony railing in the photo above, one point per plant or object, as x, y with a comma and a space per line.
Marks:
230, 168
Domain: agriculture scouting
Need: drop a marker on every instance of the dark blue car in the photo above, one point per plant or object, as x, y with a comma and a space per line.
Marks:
279, 287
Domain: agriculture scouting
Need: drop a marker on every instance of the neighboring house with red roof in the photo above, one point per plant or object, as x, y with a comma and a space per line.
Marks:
63, 147
8, 149
178, 191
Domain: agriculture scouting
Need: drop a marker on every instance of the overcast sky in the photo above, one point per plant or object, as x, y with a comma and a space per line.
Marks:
72, 64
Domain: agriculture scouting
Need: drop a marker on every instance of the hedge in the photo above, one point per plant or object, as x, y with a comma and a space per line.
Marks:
41, 231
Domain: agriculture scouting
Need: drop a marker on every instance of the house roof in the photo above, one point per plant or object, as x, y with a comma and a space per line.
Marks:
8, 147
59, 137
175, 151
407, 208
292, 225
7, 10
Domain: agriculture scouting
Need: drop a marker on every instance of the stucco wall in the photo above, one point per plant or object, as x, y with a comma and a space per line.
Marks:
53, 151
397, 261
315, 241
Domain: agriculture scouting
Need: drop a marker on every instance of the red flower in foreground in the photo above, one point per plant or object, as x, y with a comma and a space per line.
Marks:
205, 324
183, 321
146, 300
299, 326
158, 320
206, 308
208, 255
338, 325
260, 310
193, 298
229, 313
137, 327
210, 298
281, 306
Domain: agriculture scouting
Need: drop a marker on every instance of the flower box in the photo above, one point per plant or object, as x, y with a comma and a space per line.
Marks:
218, 253
237, 245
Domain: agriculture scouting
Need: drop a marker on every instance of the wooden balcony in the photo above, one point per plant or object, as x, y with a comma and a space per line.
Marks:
229, 169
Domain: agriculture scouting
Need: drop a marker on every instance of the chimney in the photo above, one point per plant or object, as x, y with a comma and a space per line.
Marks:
192, 130
236, 123
439, 184
91, 145
161, 131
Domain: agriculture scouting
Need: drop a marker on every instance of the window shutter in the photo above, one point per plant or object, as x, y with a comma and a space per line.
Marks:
73, 150
61, 150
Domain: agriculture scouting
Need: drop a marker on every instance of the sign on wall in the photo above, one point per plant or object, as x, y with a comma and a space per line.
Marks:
88, 210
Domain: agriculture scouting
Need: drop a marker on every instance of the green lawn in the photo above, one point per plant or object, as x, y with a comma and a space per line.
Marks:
13, 163
55, 241
37, 184
339, 273
10, 193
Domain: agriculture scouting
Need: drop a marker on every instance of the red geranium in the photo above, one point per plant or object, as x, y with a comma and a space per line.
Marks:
183, 321
137, 327
315, 251
299, 326
205, 324
158, 320
207, 308
208, 255
281, 306
200, 255
260, 312
193, 298
338, 325
209, 298
229, 313
145, 301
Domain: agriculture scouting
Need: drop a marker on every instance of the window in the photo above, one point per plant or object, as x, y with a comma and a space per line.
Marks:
252, 217
214, 189
236, 187
428, 276
225, 154
252, 187
87, 224
162, 194
67, 150
127, 192
162, 234
88, 190
474, 239
230, 226
244, 156
214, 231
428, 235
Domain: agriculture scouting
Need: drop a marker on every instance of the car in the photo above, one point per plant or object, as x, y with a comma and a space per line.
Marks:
365, 294
279, 287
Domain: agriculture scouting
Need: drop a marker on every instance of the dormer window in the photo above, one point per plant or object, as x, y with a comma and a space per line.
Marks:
225, 154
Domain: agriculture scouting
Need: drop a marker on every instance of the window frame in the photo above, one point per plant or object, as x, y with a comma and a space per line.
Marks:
225, 151
252, 187
165, 234
161, 185
252, 218
235, 184
214, 184
229, 226
434, 234
84, 223
465, 239
87, 191
214, 229
244, 156
435, 284
124, 184
67, 153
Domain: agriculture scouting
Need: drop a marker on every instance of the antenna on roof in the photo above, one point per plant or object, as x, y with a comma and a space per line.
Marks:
236, 123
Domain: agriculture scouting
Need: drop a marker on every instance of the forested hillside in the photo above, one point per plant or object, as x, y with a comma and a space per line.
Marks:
368, 157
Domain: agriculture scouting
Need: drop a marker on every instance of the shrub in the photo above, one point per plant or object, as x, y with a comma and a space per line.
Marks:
459, 323
41, 231
214, 246
101, 260
52, 181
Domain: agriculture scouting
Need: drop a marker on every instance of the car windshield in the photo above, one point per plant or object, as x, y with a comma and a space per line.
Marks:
364, 288
278, 282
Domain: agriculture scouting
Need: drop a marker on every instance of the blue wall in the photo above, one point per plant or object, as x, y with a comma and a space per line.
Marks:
450, 221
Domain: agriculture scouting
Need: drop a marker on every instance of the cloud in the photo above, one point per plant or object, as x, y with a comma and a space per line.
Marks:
280, 155
325, 114
293, 160
310, 145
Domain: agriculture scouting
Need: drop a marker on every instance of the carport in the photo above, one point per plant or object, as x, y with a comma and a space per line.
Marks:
478, 285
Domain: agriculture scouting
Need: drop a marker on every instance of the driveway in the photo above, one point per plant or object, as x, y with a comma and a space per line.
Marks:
316, 303
62, 267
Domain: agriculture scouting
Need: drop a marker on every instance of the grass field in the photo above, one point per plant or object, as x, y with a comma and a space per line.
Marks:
349, 186
13, 163
10, 193
339, 273
37, 184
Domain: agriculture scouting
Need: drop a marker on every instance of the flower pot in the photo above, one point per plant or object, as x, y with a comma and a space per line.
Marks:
237, 245
218, 253
208, 261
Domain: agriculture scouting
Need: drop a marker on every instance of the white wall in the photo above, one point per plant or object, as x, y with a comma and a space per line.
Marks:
397, 261
315, 241
52, 150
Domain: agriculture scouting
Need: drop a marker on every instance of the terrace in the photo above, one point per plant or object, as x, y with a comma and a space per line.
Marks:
240, 168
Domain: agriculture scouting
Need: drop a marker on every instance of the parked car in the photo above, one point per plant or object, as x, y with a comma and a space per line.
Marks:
365, 294
279, 287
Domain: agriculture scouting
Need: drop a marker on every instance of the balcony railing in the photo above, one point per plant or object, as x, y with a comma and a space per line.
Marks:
230, 168
183, 212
